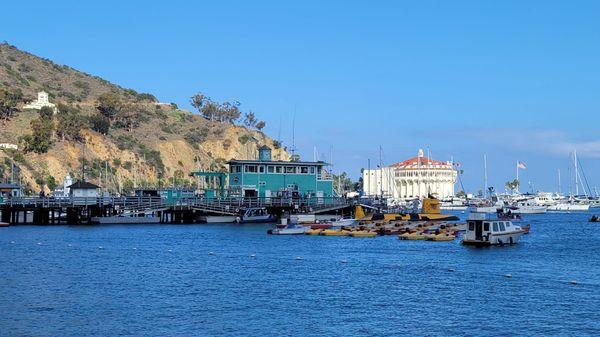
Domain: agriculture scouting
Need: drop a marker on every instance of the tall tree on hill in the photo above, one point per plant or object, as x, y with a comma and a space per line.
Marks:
129, 117
250, 119
9, 99
46, 112
109, 105
260, 125
69, 123
40, 140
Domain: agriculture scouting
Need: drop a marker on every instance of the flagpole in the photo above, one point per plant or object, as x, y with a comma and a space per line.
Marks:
517, 189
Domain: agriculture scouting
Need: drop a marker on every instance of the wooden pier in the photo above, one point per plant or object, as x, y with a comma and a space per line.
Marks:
76, 211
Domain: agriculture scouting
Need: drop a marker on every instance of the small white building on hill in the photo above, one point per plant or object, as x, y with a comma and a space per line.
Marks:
42, 101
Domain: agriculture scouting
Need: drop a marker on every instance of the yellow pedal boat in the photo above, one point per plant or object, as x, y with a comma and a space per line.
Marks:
335, 232
412, 236
363, 234
313, 232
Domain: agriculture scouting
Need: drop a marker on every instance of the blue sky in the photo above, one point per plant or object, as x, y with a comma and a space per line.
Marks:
516, 80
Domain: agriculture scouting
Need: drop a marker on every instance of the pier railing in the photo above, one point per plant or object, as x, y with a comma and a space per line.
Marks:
139, 204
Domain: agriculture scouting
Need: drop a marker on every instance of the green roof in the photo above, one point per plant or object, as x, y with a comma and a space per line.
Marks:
278, 162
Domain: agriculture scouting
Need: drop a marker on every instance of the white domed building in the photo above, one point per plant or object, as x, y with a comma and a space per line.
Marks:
416, 177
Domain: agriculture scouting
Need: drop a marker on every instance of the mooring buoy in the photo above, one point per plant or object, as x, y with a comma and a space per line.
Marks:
508, 276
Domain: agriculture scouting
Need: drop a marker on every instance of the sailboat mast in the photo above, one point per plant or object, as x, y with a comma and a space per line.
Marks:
576, 173
559, 191
485, 177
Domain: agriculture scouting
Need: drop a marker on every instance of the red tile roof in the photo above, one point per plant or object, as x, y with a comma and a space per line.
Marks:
414, 163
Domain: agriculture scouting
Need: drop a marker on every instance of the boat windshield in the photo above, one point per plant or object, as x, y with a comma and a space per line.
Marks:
495, 226
502, 228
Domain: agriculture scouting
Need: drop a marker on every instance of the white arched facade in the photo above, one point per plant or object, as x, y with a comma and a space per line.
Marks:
413, 178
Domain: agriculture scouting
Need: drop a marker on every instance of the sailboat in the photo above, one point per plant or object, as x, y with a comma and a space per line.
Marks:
573, 203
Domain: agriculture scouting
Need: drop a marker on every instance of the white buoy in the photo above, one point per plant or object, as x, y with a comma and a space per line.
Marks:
451, 269
298, 257
211, 253
100, 247
169, 250
134, 248
508, 276
39, 243
253, 255
12, 242
573, 281
344, 261
69, 245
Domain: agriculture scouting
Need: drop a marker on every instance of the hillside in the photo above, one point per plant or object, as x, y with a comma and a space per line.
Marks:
124, 137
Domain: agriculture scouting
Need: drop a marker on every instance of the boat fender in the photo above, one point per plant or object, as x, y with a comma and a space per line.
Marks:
238, 219
500, 242
511, 240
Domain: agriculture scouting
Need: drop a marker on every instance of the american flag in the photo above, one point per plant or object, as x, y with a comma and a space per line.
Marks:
521, 165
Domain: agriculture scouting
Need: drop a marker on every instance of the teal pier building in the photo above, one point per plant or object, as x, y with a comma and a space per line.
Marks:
266, 178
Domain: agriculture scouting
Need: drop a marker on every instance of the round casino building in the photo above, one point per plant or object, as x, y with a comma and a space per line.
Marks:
416, 177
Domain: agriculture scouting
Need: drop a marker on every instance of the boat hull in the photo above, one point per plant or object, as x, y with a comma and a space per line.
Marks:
568, 208
499, 239
218, 219
124, 220
289, 231
530, 210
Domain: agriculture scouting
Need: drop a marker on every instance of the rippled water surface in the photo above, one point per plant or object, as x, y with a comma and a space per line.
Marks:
186, 280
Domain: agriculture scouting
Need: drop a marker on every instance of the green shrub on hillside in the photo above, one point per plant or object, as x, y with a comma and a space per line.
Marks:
39, 141
9, 99
153, 159
99, 123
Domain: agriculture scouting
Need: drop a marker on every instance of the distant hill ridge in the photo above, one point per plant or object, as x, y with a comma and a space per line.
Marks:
124, 138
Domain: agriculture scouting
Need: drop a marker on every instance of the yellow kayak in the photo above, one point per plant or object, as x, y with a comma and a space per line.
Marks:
363, 234
412, 236
313, 232
442, 237
335, 232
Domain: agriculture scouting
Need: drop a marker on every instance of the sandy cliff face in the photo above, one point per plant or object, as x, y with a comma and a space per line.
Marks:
165, 142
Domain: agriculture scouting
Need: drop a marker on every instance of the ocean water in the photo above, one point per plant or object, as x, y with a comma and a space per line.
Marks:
201, 280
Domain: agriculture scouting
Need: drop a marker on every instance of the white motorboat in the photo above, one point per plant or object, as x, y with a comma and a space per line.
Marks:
526, 207
572, 204
453, 204
569, 207
484, 209
483, 232
218, 219
290, 229
344, 222
256, 215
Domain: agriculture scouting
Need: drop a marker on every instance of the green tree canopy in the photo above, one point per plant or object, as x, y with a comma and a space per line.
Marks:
9, 99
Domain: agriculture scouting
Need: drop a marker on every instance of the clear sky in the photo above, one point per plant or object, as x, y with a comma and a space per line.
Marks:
516, 80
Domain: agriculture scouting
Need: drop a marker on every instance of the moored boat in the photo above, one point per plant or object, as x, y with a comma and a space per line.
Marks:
256, 215
124, 220
218, 219
335, 232
290, 229
484, 232
4, 224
